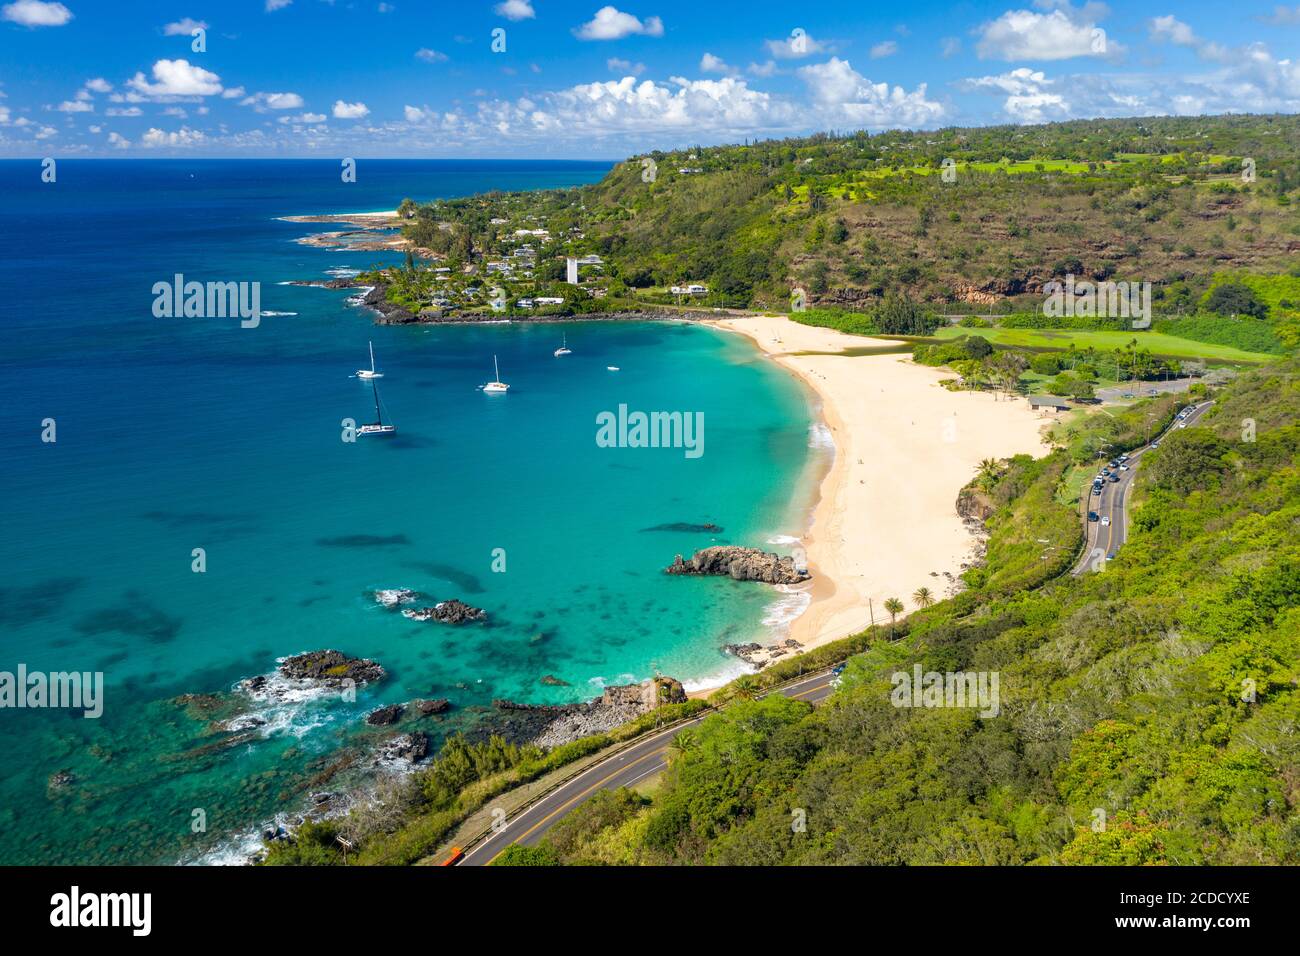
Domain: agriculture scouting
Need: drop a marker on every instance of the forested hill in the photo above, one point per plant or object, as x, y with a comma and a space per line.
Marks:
853, 219
1149, 713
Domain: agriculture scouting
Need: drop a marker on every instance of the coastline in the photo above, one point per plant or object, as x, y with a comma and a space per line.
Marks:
885, 521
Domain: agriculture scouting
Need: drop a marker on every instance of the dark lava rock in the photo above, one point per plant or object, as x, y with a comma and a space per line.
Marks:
740, 564
385, 715
331, 668
685, 527
447, 612
413, 747
428, 708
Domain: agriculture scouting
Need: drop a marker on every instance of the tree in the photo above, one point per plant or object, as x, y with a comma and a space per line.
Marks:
895, 607
922, 597
745, 687
1234, 298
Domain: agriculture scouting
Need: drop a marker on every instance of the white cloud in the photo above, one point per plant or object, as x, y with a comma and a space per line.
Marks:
626, 67
797, 45
610, 23
75, 106
304, 118
350, 110
1283, 17
183, 137
273, 5
515, 10
1060, 34
177, 78
884, 49
176, 111
712, 64
273, 101
35, 13
949, 47
1030, 96
123, 111
94, 129
1172, 30
841, 94
184, 27
763, 69
118, 141
45, 132
234, 93
430, 56
99, 85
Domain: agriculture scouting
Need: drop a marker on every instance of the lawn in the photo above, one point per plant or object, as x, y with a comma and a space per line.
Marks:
1105, 341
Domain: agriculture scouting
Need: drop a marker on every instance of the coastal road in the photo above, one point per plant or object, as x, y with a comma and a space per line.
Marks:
642, 759
1113, 504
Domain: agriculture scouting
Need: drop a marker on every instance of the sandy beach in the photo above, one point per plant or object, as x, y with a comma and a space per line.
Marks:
886, 522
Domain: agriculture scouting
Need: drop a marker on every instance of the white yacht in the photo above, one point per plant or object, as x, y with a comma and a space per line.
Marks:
496, 387
369, 373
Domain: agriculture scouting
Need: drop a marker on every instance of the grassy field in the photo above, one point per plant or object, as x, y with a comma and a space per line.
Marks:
1105, 341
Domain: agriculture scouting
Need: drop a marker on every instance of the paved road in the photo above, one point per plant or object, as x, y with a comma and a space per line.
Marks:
623, 769
1113, 503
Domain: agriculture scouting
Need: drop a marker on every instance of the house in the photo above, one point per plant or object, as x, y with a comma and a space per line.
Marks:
1048, 402
525, 303
592, 260
549, 300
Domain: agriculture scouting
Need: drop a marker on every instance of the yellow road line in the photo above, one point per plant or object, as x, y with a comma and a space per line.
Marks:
568, 803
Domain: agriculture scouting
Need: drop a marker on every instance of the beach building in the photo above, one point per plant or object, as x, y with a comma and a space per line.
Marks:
1048, 403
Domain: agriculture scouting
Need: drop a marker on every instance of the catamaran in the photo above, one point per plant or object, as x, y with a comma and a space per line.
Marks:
496, 386
377, 427
370, 372
564, 348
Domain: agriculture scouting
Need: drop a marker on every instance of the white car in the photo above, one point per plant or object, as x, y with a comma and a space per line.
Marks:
1105, 520
1182, 424
1123, 467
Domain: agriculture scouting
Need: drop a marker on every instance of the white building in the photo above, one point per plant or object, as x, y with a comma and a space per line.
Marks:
549, 300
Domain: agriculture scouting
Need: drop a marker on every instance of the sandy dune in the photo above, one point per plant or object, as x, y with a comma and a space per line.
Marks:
904, 447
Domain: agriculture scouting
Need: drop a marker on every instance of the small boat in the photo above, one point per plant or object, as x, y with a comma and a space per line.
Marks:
496, 387
564, 348
612, 368
377, 427
369, 373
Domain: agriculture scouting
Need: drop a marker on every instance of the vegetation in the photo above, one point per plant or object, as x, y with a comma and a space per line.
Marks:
1147, 713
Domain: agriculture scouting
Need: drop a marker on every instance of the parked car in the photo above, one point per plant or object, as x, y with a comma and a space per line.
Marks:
1105, 520
1114, 476
1092, 516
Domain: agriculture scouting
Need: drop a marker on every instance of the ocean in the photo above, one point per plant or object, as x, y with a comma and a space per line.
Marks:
177, 434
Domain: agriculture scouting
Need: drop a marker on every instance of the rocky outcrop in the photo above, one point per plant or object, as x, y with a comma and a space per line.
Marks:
331, 668
550, 680
412, 747
685, 527
447, 612
759, 655
429, 708
394, 597
550, 725
973, 503
385, 715
740, 564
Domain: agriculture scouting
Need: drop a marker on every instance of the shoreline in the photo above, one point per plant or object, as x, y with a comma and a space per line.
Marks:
896, 528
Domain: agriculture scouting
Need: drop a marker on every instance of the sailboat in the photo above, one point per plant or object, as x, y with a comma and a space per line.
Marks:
496, 386
370, 372
377, 427
564, 348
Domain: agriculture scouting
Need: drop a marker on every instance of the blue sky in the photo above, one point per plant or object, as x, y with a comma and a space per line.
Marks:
411, 78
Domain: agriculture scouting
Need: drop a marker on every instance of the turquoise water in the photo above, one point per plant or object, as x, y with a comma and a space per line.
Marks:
176, 434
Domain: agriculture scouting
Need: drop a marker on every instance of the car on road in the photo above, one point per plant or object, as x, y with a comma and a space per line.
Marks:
838, 669
1114, 476
1092, 516
1096, 488
1105, 520
1123, 466
1114, 464
1182, 424
1155, 444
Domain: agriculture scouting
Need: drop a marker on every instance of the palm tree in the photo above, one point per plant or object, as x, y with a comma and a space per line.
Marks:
684, 742
745, 687
922, 597
895, 607
988, 473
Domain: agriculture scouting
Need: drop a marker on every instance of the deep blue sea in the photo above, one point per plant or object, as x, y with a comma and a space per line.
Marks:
177, 434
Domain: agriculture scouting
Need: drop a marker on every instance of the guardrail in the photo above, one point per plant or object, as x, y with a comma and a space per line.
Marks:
469, 846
